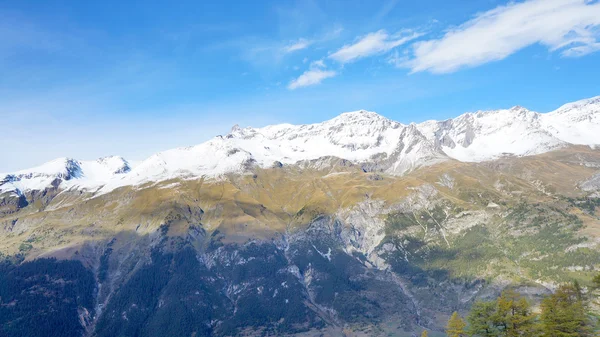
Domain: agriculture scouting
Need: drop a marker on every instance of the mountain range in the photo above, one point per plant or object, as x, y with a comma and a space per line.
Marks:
361, 137
356, 226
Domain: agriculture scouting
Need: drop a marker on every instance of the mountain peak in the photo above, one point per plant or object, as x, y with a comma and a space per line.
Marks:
114, 164
62, 167
235, 128
360, 115
518, 108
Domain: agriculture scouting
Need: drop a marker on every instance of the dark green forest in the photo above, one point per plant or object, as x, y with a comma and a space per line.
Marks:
44, 297
175, 295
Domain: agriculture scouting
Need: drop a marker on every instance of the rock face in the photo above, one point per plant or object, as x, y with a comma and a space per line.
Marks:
358, 226
12, 203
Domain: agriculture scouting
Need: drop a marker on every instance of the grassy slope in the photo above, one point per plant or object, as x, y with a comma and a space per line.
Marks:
534, 217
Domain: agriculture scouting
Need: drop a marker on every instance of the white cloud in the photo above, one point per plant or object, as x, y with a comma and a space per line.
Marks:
311, 77
298, 45
317, 64
568, 26
314, 75
372, 44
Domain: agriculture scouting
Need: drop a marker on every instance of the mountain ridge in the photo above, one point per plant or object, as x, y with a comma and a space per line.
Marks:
362, 137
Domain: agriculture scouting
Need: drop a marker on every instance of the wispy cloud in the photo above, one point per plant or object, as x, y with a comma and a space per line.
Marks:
303, 43
388, 6
373, 44
568, 26
314, 75
270, 55
297, 45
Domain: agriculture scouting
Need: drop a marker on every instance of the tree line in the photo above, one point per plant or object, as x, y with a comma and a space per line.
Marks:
565, 313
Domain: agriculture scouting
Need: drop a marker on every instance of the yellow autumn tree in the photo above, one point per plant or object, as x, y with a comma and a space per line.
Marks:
456, 326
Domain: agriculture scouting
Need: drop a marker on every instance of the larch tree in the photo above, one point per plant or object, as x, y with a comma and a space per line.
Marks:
483, 319
564, 314
456, 326
514, 316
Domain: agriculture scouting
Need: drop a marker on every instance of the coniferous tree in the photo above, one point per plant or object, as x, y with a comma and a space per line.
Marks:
456, 326
579, 292
595, 298
596, 282
563, 314
509, 315
514, 316
482, 319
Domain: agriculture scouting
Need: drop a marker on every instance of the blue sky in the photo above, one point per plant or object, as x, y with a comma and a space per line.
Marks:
87, 79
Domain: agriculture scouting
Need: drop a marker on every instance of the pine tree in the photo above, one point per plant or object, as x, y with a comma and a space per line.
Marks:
482, 319
514, 317
595, 298
456, 326
563, 314
578, 291
424, 333
596, 282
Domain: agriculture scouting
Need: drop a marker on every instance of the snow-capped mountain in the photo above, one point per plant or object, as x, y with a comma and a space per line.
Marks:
359, 136
486, 135
575, 123
66, 173
362, 137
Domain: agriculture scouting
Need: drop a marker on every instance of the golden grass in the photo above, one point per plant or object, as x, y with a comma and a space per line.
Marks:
271, 201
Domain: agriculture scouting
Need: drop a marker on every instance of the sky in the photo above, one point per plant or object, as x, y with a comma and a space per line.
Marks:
86, 79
